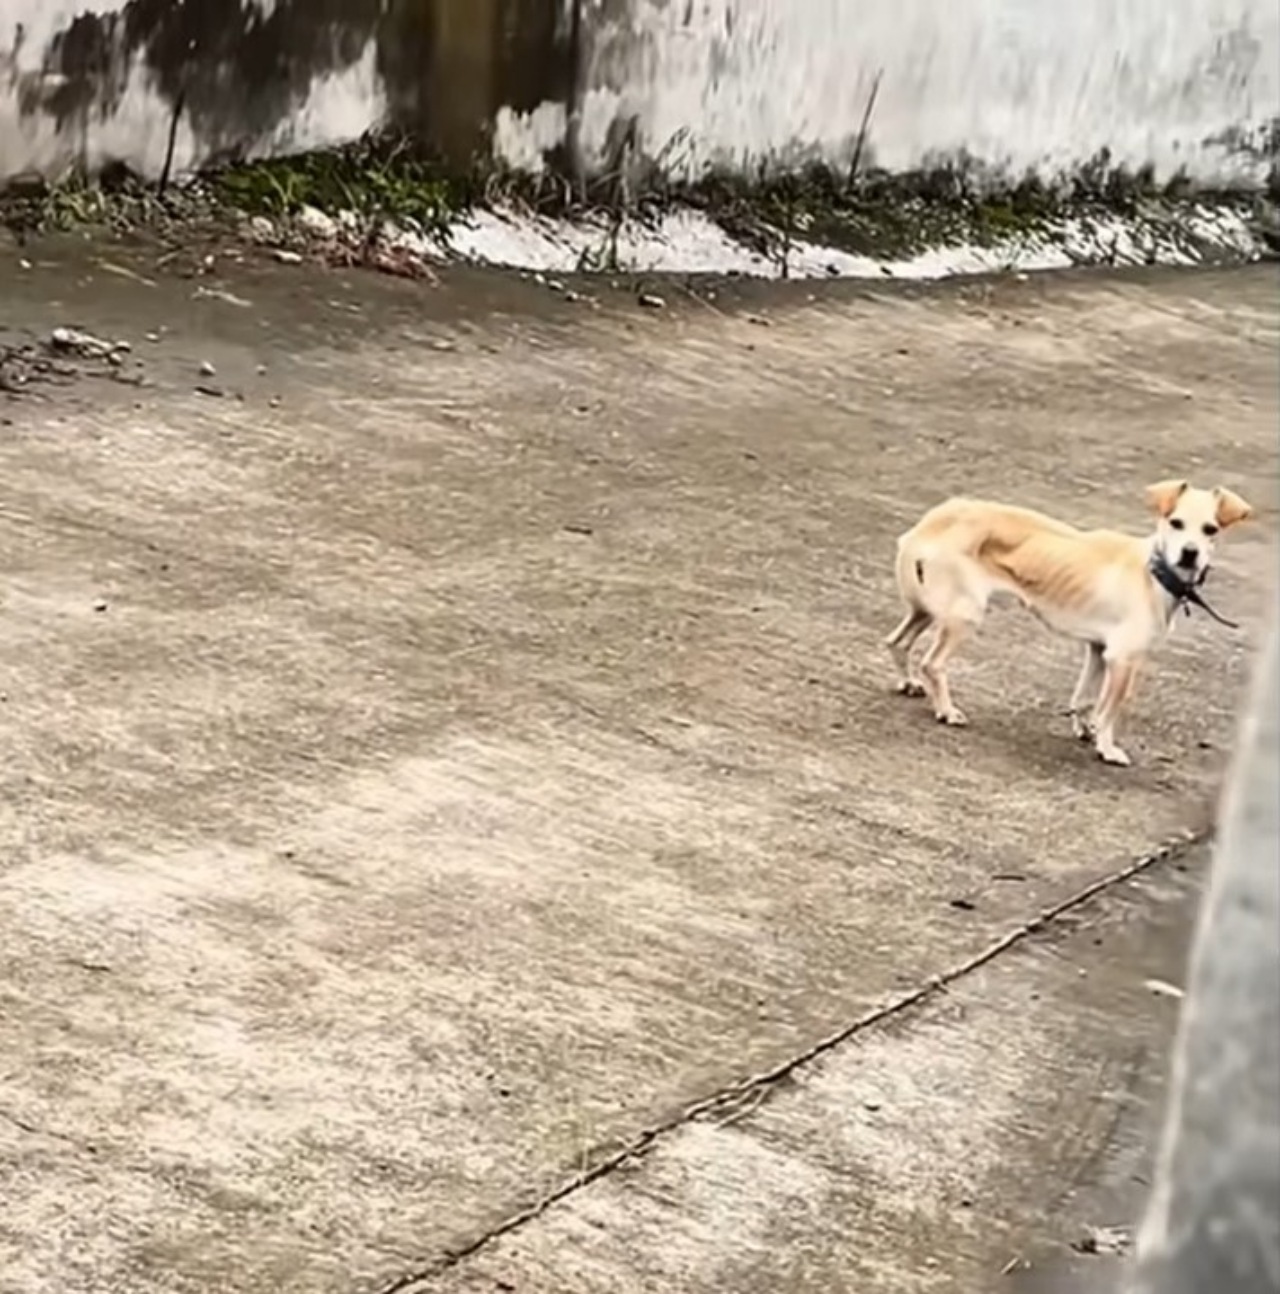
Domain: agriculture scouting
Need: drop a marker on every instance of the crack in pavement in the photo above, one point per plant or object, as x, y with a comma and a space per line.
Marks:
742, 1098
35, 1130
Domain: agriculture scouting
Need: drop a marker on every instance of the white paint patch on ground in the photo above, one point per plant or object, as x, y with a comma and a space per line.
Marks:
689, 242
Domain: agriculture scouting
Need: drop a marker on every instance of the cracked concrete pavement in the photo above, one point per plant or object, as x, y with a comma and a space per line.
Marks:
466, 741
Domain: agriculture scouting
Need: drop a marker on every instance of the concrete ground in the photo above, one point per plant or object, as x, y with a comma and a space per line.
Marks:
456, 747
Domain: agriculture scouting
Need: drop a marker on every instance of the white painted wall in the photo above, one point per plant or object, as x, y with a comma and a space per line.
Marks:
339, 108
1039, 84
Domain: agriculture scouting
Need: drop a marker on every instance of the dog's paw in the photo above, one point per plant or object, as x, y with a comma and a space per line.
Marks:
1114, 756
953, 718
1082, 729
910, 687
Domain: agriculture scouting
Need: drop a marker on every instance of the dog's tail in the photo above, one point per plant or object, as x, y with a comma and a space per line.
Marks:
910, 570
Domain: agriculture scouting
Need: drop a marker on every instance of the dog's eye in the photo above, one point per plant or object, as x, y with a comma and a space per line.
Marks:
1177, 523
1210, 530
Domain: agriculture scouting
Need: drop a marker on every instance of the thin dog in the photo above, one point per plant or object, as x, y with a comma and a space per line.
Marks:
1115, 592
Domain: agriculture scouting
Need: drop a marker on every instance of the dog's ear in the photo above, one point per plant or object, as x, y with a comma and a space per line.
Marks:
1163, 497
1232, 509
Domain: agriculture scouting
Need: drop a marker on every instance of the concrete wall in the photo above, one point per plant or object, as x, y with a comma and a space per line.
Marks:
94, 81
88, 82
1019, 84
1213, 1223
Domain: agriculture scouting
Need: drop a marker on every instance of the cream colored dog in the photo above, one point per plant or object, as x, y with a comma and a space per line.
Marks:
1115, 592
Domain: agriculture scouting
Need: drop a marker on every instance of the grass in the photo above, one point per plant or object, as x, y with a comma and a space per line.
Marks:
376, 180
383, 180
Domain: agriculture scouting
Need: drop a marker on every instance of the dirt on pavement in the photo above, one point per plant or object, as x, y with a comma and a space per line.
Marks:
457, 739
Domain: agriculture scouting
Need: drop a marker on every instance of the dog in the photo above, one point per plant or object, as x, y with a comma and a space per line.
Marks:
1115, 592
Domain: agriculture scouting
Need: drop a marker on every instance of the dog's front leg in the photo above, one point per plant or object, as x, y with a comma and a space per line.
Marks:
1117, 687
1086, 692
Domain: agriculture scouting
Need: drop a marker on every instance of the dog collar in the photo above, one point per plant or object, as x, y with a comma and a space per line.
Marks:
1185, 593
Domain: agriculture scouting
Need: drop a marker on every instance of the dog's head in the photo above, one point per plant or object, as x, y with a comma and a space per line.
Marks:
1190, 521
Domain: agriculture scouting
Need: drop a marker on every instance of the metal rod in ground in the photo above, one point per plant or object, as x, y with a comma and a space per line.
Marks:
856, 160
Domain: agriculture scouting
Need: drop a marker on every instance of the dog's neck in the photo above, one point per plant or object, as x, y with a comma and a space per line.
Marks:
1176, 590
1172, 587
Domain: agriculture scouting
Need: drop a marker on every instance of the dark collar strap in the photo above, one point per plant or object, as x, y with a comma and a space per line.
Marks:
1184, 593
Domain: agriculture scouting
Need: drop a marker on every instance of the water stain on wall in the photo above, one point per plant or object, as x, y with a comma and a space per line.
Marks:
676, 86
233, 68
238, 69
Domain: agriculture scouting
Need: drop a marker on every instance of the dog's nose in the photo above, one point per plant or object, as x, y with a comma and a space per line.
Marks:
1189, 556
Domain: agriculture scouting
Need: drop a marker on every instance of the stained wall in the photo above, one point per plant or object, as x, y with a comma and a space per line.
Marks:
1016, 84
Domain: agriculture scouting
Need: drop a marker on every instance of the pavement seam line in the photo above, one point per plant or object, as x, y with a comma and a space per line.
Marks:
753, 1089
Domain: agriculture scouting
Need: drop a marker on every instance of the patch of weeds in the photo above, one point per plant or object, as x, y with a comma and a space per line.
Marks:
955, 202
380, 179
384, 183
876, 214
952, 203
377, 186
1099, 183
116, 200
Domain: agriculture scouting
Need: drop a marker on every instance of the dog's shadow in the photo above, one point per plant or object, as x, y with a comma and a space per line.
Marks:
1040, 743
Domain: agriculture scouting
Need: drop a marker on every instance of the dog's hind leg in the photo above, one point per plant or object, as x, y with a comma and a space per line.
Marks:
900, 643
909, 570
933, 669
1086, 692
